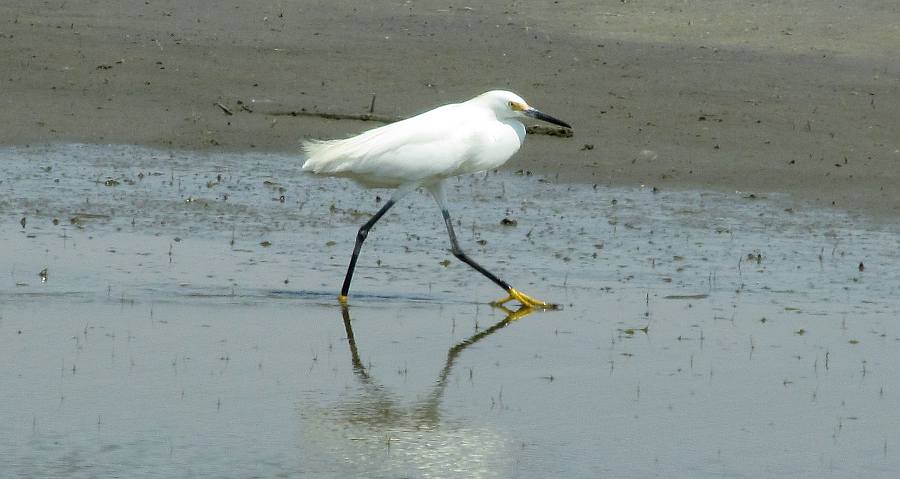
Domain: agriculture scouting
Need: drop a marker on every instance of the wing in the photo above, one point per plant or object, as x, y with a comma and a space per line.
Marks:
432, 144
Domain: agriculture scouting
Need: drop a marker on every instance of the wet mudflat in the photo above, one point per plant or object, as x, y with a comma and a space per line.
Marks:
174, 314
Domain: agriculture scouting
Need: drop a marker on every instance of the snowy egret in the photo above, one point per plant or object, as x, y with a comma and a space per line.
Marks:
477, 135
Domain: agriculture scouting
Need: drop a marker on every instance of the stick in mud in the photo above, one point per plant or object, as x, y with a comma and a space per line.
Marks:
533, 129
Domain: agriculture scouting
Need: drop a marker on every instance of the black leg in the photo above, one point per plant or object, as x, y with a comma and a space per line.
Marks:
360, 237
437, 191
458, 252
527, 301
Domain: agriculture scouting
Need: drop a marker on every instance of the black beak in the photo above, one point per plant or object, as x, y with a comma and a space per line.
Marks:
537, 115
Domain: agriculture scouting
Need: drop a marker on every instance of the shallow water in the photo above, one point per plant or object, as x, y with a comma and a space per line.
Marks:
187, 325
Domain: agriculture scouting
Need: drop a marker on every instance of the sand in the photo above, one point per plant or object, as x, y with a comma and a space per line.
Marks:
796, 97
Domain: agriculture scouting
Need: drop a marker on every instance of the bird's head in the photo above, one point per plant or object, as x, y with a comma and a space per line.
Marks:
507, 104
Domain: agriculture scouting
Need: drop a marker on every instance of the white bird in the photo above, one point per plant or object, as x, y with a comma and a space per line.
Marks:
422, 151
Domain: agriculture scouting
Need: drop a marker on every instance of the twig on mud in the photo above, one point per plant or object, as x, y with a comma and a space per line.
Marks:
533, 129
549, 131
338, 116
224, 109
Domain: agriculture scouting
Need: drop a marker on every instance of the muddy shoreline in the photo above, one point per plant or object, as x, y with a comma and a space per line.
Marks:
759, 100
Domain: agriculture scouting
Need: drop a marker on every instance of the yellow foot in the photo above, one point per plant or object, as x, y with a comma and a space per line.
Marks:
342, 299
525, 300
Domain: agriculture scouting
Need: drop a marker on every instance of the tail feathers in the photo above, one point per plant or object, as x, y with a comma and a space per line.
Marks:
340, 157
318, 157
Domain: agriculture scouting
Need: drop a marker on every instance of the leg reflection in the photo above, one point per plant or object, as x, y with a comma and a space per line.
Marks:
427, 410
379, 432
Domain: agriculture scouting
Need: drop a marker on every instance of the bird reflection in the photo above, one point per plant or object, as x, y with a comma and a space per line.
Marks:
426, 412
376, 433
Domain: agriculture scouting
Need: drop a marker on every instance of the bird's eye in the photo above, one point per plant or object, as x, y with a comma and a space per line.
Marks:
516, 106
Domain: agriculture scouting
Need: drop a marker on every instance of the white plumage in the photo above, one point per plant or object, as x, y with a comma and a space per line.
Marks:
476, 135
450, 140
